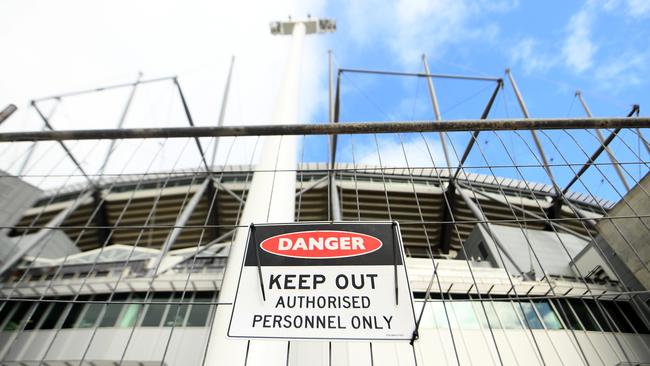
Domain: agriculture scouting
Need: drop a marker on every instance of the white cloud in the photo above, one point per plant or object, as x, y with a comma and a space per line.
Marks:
579, 49
418, 152
75, 44
423, 24
622, 72
527, 53
638, 8
412, 27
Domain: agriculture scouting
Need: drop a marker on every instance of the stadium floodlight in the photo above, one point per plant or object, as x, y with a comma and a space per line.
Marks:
312, 25
271, 198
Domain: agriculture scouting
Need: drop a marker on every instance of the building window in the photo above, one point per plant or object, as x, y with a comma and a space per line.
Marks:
439, 317
113, 310
630, 313
101, 273
506, 313
550, 319
588, 322
154, 314
52, 319
176, 313
596, 310
131, 312
529, 315
500, 313
17, 316
5, 309
92, 313
36, 317
617, 317
464, 314
427, 320
199, 314
124, 310
486, 314
567, 314
75, 312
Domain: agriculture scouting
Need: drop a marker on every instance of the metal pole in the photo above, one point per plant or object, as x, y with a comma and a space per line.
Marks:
222, 112
445, 236
638, 130
436, 109
186, 108
645, 142
601, 139
271, 198
472, 140
116, 86
330, 86
312, 185
450, 196
421, 75
538, 144
335, 114
7, 112
596, 154
125, 111
335, 203
178, 226
347, 128
526, 212
32, 147
49, 127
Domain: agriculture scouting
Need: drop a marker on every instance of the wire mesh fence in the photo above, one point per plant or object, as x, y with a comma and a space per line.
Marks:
525, 240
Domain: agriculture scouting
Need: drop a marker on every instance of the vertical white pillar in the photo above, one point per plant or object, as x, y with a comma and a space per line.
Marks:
271, 198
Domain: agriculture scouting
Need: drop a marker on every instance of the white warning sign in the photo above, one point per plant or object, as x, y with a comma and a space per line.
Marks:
324, 281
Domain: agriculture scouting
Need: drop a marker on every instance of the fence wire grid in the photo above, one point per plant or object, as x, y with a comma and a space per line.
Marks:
513, 237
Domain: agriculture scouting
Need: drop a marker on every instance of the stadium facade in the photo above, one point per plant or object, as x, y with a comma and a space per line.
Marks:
138, 269
107, 306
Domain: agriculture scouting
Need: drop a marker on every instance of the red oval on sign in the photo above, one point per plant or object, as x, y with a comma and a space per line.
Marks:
321, 244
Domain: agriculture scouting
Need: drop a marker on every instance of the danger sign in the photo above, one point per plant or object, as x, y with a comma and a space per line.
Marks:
323, 281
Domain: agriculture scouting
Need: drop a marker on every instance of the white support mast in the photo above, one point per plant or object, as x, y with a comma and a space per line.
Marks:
271, 198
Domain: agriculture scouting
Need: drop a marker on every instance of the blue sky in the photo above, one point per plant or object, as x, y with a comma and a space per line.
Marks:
553, 48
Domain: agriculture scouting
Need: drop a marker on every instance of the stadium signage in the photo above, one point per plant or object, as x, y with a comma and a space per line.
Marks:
323, 281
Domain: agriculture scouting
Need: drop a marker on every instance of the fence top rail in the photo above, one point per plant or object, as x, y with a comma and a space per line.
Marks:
420, 74
332, 128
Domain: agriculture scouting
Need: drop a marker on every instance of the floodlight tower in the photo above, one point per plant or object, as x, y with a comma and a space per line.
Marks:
271, 198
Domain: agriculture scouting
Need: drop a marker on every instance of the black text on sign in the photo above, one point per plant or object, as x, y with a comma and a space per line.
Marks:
324, 281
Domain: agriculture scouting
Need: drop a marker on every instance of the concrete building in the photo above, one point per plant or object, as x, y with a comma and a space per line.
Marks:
142, 325
142, 269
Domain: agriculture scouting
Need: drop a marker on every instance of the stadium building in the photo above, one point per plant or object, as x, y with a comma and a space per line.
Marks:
140, 269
